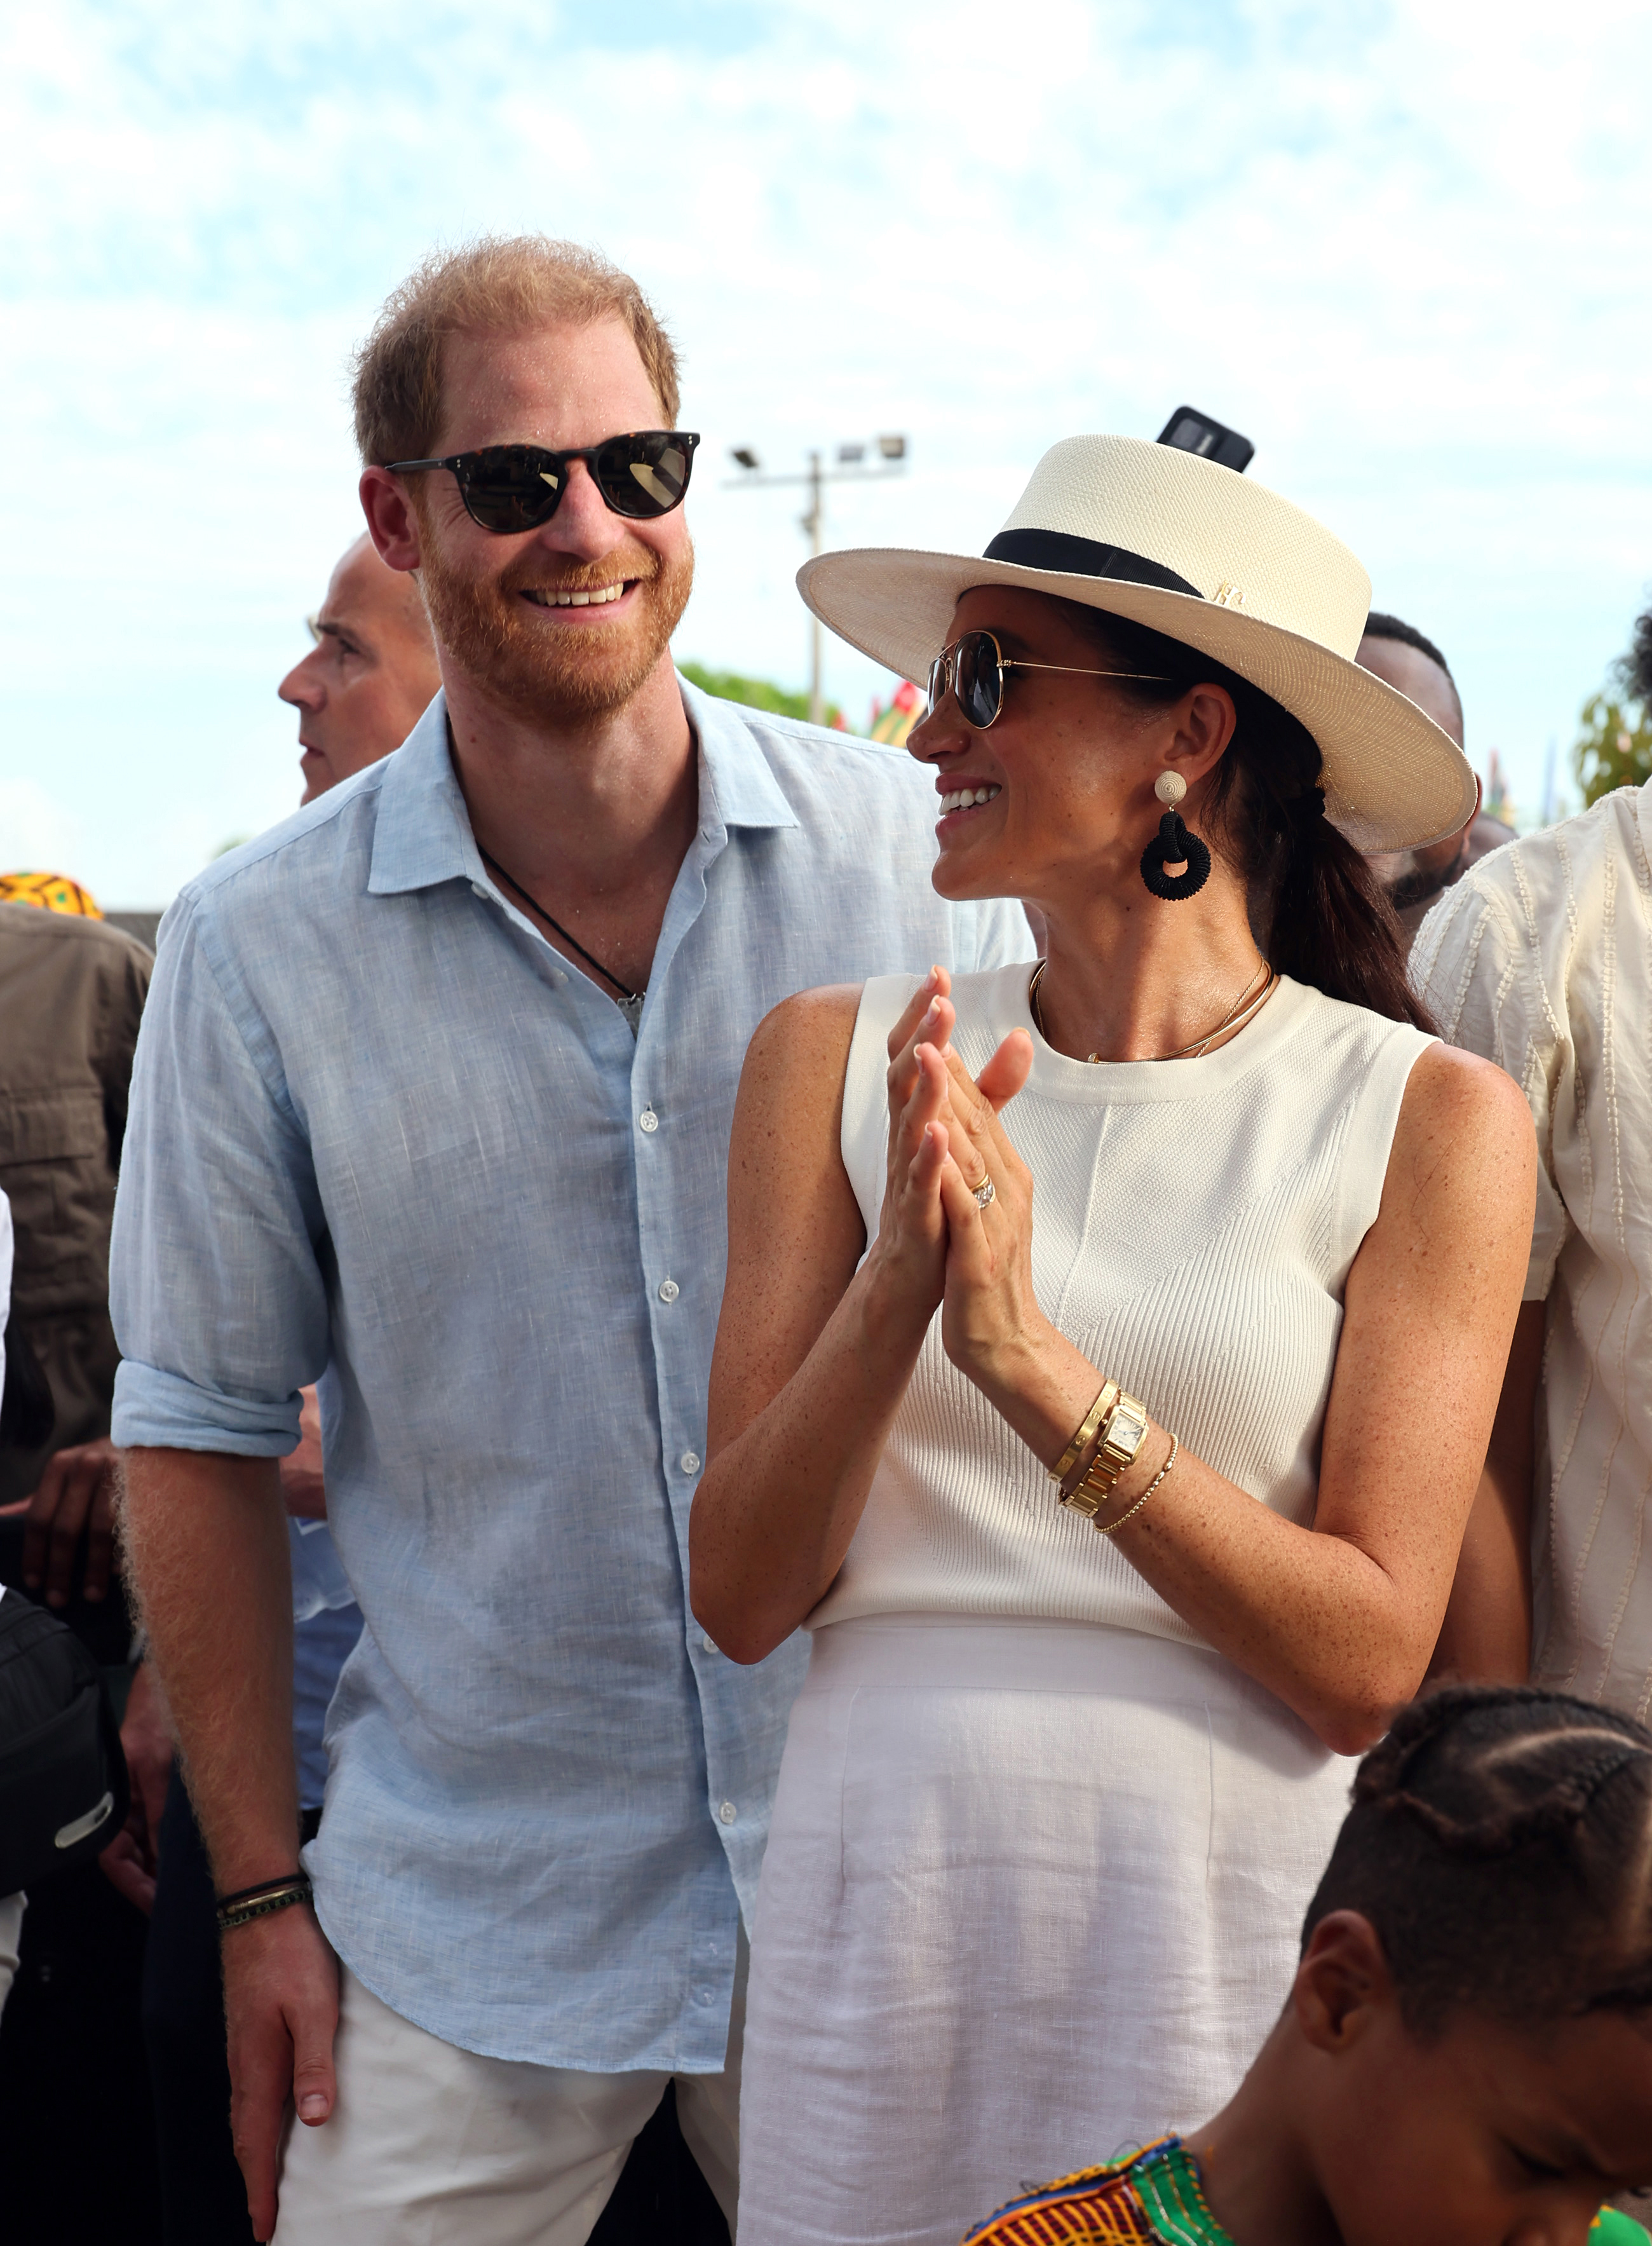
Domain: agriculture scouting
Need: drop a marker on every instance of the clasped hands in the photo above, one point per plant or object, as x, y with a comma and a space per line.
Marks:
937, 1245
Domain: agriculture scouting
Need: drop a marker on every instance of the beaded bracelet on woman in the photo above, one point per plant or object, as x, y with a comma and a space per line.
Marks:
248, 1904
1123, 1422
1111, 1528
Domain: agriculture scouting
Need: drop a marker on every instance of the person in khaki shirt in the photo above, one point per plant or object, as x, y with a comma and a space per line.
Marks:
75, 2112
72, 992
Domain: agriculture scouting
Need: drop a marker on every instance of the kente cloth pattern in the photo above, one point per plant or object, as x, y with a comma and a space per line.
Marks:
1152, 2196
56, 892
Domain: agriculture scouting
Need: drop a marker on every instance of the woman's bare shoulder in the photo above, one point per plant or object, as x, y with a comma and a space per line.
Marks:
806, 1039
1460, 1091
1466, 1134
789, 1194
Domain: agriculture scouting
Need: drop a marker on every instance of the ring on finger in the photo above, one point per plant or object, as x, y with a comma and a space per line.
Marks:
986, 1193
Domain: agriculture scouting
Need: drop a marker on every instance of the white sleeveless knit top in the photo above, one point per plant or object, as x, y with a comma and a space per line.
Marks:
1193, 1225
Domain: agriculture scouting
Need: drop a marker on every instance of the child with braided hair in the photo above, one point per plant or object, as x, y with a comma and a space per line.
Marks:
1466, 2056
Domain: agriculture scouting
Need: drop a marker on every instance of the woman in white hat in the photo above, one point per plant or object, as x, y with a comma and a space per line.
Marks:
1193, 1237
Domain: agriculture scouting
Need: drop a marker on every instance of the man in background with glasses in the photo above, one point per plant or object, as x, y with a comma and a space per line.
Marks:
434, 1104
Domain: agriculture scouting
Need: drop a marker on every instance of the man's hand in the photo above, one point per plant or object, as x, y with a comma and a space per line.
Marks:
131, 1860
302, 1491
78, 1485
206, 1541
280, 2002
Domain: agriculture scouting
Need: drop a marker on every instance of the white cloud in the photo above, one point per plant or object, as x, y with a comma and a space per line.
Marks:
37, 833
1400, 246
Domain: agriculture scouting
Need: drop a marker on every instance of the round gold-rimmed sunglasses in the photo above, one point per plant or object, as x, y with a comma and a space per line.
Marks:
975, 666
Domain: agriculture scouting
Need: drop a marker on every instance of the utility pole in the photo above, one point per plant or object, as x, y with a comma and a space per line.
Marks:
851, 468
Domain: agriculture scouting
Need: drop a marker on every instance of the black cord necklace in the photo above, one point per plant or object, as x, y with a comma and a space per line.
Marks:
630, 1001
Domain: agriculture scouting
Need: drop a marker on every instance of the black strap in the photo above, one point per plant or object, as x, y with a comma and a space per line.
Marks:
629, 997
1083, 557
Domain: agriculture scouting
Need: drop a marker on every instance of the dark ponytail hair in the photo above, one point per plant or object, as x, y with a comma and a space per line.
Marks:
1500, 1844
1318, 910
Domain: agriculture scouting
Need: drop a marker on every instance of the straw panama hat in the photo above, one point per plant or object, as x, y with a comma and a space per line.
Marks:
1209, 558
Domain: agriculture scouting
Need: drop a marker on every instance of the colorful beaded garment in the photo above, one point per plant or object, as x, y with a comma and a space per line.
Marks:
1152, 2198
1155, 2198
56, 892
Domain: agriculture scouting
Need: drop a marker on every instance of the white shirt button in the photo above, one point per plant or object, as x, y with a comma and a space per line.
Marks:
477, 890
669, 1291
689, 1462
727, 1812
649, 1120
708, 1644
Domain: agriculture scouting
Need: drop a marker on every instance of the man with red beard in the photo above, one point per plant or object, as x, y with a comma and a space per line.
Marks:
432, 1105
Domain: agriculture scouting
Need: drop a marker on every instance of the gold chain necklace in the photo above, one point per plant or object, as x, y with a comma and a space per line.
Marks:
1243, 1010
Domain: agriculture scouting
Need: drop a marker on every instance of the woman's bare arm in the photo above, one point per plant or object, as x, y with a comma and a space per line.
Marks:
791, 1453
1338, 1620
812, 1356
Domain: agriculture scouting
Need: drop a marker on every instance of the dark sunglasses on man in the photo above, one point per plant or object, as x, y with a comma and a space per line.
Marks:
511, 487
975, 668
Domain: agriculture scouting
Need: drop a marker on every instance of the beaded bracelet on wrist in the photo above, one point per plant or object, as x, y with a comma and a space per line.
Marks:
248, 1904
1111, 1528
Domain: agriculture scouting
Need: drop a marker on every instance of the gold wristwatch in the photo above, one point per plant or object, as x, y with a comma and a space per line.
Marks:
1122, 1437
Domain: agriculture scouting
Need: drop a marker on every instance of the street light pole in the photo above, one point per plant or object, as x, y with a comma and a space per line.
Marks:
891, 450
811, 524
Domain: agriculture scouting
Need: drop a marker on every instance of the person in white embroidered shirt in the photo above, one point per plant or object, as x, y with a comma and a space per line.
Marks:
1540, 959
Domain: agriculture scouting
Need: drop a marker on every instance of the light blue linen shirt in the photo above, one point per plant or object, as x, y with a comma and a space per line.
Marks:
382, 1134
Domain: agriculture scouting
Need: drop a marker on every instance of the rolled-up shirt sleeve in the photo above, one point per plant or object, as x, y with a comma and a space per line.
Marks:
216, 1289
1481, 978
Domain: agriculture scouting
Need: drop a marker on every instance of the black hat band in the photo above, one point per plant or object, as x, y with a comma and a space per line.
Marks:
1058, 550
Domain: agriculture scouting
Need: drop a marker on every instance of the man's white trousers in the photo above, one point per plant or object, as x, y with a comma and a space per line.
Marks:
432, 2146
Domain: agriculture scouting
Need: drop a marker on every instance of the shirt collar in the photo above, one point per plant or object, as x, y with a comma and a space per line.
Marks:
423, 833
737, 787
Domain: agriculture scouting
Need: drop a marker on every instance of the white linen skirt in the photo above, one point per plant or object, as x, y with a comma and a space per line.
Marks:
1033, 1893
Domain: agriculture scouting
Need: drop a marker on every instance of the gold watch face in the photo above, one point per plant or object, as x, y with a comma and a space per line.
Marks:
1126, 1431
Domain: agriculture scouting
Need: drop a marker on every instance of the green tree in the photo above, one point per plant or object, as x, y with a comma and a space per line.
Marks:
757, 693
1614, 747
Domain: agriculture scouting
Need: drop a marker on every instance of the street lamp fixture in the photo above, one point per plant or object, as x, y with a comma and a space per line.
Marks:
853, 467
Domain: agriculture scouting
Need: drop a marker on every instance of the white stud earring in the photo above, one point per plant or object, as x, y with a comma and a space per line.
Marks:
1170, 787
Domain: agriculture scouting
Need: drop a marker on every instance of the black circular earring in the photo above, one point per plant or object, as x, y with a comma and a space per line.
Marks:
1175, 844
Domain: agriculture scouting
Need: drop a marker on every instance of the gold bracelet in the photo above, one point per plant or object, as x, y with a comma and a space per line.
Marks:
1086, 1434
1111, 1528
1122, 1436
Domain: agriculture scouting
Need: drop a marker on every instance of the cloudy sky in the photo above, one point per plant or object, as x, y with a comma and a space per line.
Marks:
1401, 246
